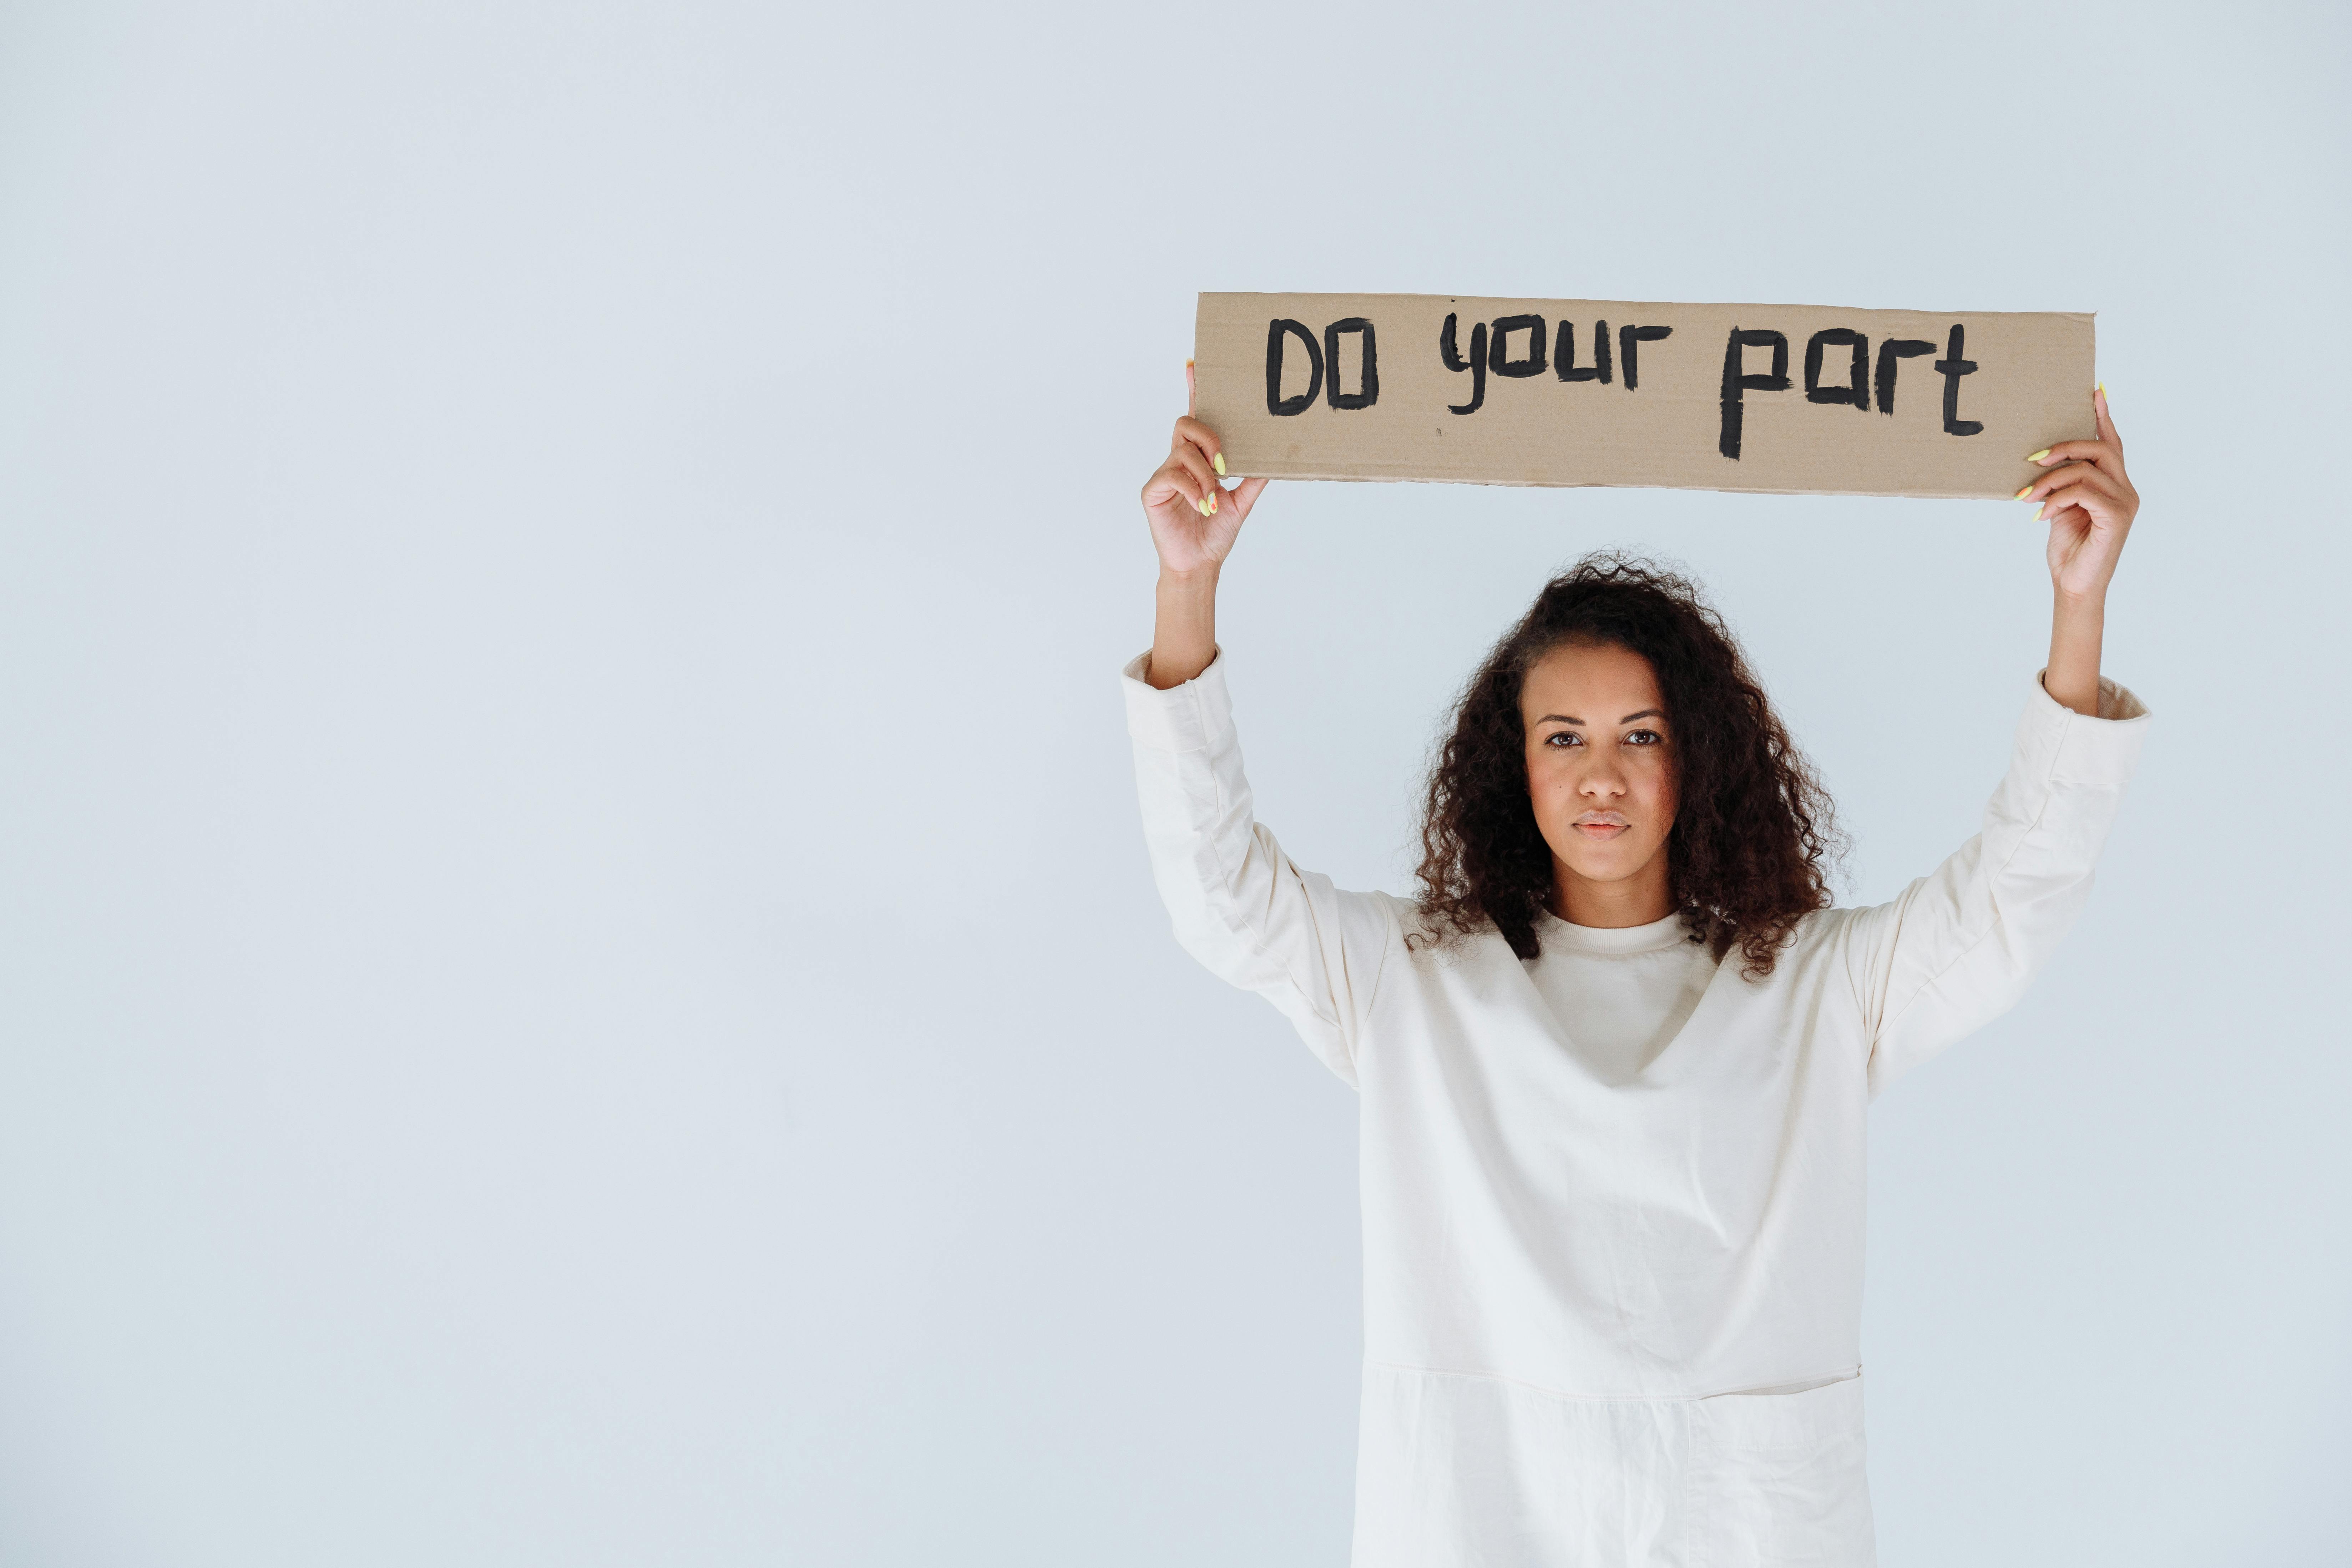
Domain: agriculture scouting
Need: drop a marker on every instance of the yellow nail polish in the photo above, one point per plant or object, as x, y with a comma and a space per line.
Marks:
2020, 492
1218, 462
2103, 389
1201, 507
2036, 457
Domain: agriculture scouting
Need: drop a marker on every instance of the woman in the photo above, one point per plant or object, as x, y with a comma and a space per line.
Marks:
1614, 1058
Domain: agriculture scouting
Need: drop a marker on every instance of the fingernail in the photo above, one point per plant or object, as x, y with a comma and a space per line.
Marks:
1212, 506
2103, 389
1218, 463
1201, 507
2035, 458
2020, 492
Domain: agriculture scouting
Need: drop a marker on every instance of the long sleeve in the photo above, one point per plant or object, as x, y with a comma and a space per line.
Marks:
1237, 902
1957, 949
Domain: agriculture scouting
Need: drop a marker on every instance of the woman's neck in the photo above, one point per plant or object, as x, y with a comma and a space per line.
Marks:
1640, 899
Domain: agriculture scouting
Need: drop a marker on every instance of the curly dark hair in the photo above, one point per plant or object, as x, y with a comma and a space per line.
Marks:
1754, 830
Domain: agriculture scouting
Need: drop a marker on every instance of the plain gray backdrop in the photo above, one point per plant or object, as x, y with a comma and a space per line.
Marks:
578, 978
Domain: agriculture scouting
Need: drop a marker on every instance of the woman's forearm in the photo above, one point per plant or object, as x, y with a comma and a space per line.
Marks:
2076, 628
2090, 503
1185, 632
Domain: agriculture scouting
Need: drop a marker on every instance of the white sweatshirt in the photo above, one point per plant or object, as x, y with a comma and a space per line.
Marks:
1613, 1196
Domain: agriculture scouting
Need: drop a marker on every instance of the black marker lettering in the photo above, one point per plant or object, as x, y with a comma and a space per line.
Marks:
1370, 392
1629, 342
1563, 359
1600, 351
1504, 364
1276, 402
1951, 367
1892, 349
1475, 364
1736, 382
1857, 391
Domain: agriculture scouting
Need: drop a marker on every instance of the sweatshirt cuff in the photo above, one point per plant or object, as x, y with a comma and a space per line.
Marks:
2101, 750
1183, 718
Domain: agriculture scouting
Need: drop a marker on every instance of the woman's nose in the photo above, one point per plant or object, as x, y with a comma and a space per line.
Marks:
1601, 778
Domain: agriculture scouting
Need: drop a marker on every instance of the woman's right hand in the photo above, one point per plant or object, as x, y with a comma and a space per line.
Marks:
1194, 517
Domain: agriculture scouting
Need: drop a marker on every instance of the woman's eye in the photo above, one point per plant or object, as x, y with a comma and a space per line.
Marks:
1564, 737
1644, 737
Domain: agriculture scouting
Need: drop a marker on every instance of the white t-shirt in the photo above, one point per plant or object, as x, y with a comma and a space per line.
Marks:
1613, 1196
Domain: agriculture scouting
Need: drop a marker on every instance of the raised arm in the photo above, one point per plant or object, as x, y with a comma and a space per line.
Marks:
1236, 902
1957, 947
1193, 521
2090, 503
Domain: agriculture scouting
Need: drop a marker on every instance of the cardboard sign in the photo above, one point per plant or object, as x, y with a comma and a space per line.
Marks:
1586, 392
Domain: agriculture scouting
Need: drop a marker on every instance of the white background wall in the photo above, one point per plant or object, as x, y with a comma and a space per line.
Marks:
578, 983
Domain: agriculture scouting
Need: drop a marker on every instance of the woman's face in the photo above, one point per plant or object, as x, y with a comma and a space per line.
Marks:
1601, 769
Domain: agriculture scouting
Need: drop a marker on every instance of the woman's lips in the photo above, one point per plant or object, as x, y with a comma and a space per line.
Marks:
1601, 829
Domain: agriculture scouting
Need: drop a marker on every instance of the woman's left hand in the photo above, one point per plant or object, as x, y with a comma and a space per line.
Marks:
2090, 503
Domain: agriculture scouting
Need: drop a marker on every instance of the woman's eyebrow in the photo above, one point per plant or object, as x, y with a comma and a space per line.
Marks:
1645, 713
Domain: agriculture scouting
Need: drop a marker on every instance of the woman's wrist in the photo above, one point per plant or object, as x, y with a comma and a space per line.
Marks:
1184, 629
2077, 628
1198, 580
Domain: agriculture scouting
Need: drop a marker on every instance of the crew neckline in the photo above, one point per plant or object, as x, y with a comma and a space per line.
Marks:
1657, 935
